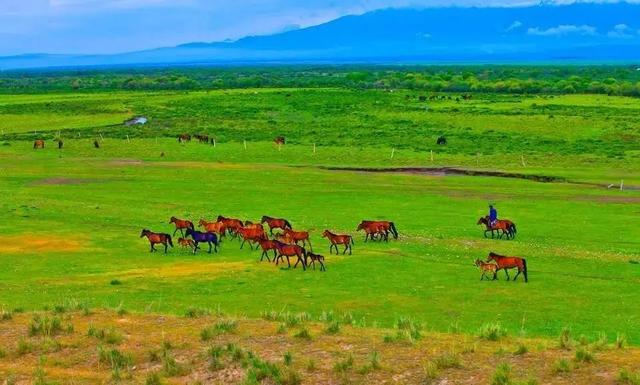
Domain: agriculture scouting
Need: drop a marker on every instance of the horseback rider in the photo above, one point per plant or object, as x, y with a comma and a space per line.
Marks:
493, 216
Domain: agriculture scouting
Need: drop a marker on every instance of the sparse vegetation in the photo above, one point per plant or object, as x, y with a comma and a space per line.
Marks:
562, 366
492, 332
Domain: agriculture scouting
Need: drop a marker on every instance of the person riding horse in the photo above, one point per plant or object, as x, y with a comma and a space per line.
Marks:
493, 216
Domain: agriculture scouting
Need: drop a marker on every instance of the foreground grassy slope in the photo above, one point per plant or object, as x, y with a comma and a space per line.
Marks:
97, 347
75, 217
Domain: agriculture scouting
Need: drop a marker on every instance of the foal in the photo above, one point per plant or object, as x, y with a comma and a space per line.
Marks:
316, 257
487, 268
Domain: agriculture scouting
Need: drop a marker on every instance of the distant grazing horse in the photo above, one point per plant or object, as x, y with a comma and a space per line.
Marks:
184, 138
505, 263
251, 236
298, 236
373, 228
507, 227
279, 140
266, 245
336, 239
38, 144
441, 141
213, 227
60, 143
232, 224
181, 224
157, 238
199, 237
184, 242
285, 250
276, 223
316, 258
202, 138
487, 268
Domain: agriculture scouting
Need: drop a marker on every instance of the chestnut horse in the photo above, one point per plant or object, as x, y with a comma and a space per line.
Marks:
185, 242
251, 235
336, 239
285, 250
373, 228
38, 144
157, 238
276, 223
213, 227
266, 245
298, 236
232, 224
253, 226
507, 227
181, 224
505, 263
316, 257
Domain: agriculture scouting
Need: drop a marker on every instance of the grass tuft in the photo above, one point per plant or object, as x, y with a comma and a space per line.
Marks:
492, 332
502, 375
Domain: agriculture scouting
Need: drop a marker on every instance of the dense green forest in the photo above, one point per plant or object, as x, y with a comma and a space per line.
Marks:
611, 80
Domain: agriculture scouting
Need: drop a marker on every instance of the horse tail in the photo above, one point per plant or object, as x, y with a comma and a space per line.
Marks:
524, 270
513, 228
169, 239
287, 224
392, 227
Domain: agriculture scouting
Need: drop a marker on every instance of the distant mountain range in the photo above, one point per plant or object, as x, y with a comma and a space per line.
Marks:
579, 32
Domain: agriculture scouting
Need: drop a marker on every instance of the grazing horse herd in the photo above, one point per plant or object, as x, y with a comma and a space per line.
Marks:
286, 243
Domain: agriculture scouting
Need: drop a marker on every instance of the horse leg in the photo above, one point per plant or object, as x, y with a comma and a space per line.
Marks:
209, 242
166, 244
514, 278
242, 244
151, 251
507, 273
345, 249
322, 268
288, 261
195, 247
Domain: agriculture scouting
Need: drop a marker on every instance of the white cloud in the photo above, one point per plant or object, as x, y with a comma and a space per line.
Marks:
564, 29
620, 31
515, 25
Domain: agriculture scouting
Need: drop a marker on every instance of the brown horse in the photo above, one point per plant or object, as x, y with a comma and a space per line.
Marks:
251, 236
38, 144
181, 224
336, 239
505, 263
213, 227
253, 226
184, 138
316, 257
487, 268
279, 140
266, 245
379, 227
276, 223
157, 238
285, 250
507, 227
186, 243
298, 236
60, 143
232, 224
202, 138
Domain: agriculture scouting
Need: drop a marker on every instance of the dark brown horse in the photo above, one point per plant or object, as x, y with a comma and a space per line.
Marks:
38, 144
60, 143
279, 140
298, 236
157, 238
181, 224
337, 239
316, 258
184, 138
202, 138
285, 250
276, 223
266, 245
502, 226
505, 263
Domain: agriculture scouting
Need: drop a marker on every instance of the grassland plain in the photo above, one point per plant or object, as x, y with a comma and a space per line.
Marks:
73, 217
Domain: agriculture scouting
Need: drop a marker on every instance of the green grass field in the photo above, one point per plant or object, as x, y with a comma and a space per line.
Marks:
72, 218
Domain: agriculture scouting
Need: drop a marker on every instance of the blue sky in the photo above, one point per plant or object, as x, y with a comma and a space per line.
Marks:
111, 26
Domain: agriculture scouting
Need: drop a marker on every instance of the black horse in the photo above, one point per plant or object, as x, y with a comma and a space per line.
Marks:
210, 238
